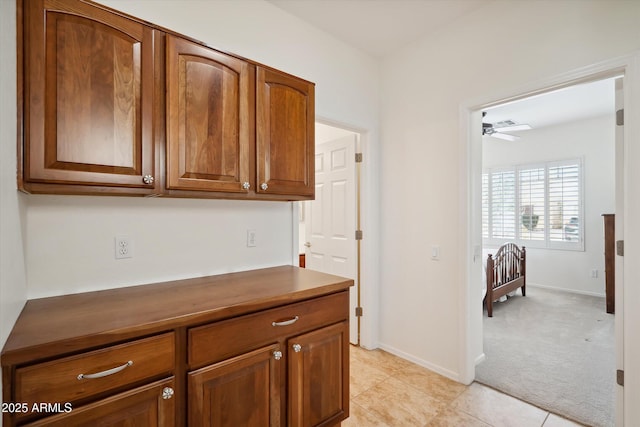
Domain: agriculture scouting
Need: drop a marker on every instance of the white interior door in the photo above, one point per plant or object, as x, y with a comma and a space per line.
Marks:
330, 223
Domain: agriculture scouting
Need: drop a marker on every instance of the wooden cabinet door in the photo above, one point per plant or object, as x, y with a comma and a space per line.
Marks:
209, 118
89, 96
152, 405
285, 126
319, 376
242, 391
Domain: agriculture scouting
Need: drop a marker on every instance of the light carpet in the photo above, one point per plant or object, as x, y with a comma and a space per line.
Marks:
555, 350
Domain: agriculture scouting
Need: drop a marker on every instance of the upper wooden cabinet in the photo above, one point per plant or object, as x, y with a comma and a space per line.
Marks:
110, 104
88, 98
209, 118
285, 134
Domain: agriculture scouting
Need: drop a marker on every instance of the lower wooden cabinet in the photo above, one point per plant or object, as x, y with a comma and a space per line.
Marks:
265, 348
150, 405
242, 391
246, 390
319, 376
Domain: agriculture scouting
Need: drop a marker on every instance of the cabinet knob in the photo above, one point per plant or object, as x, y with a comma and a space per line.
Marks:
277, 355
148, 179
264, 186
167, 393
246, 185
297, 348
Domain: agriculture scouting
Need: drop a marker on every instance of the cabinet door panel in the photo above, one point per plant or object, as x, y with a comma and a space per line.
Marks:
319, 376
242, 391
285, 134
144, 407
209, 118
89, 79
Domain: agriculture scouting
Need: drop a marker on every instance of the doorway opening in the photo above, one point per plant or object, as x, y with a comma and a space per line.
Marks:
329, 231
550, 159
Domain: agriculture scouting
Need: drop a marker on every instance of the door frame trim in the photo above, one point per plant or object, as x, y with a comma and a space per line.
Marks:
470, 144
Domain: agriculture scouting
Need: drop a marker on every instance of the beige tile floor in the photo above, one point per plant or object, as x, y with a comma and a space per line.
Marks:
389, 391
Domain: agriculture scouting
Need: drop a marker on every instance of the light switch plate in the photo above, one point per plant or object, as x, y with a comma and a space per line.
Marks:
251, 238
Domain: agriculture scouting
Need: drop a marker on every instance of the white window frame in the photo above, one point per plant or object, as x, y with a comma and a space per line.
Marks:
546, 243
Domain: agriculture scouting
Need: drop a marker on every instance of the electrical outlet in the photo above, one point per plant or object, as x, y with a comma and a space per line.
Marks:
594, 274
251, 238
123, 247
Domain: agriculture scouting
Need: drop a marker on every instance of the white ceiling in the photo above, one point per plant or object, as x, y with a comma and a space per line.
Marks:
381, 26
569, 104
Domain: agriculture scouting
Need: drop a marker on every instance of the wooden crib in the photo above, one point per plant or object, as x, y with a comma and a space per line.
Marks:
506, 272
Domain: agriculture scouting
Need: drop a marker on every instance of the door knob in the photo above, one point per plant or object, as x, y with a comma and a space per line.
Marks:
167, 393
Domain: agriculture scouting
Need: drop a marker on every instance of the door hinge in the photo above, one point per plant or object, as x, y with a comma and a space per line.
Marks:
358, 157
358, 311
620, 377
620, 117
620, 247
358, 234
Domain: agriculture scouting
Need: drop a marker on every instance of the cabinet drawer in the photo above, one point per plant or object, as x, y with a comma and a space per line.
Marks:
73, 378
221, 340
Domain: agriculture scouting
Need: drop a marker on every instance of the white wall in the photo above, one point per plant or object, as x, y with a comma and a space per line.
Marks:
593, 140
424, 87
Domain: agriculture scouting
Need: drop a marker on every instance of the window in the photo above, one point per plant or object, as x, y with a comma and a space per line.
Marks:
537, 205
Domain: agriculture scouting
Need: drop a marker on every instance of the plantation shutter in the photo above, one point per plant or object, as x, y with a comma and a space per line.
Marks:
485, 205
532, 220
539, 205
503, 204
565, 202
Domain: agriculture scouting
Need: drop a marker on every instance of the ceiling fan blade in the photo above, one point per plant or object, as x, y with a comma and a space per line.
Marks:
505, 136
513, 128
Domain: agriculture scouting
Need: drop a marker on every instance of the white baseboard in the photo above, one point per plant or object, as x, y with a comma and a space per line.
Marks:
571, 291
435, 368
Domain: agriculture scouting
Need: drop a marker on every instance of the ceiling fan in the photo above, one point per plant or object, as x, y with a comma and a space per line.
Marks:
496, 129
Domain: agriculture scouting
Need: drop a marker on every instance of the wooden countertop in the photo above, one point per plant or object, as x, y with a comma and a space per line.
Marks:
49, 327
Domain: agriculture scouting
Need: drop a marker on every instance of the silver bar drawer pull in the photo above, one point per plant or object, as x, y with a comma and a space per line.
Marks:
107, 372
285, 322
